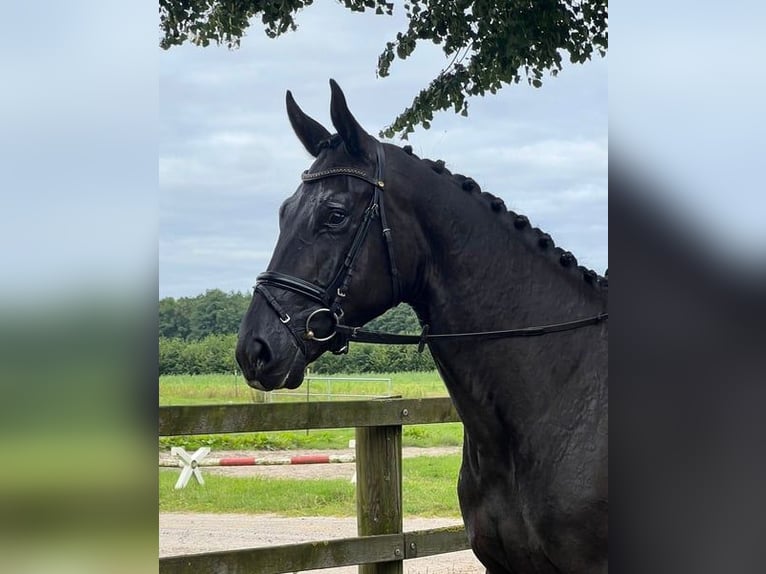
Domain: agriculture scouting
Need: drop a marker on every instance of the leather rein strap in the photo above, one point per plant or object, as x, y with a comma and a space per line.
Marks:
357, 334
331, 297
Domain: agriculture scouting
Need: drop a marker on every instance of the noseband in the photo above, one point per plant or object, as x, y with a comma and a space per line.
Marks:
332, 296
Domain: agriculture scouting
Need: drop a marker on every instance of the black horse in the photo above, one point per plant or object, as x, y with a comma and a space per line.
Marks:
372, 225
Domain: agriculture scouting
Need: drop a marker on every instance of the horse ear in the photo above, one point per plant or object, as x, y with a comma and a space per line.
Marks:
308, 130
352, 134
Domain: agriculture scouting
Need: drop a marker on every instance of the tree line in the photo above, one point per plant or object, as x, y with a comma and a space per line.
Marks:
194, 318
197, 335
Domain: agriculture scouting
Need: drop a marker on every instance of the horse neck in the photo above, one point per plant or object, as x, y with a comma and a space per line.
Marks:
483, 274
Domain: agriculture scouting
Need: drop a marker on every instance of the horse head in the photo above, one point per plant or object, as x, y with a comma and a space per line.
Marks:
334, 257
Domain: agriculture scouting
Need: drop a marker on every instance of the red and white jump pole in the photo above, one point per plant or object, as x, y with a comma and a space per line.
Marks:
190, 463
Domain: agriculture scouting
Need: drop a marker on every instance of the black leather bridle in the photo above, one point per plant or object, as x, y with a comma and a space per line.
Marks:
331, 297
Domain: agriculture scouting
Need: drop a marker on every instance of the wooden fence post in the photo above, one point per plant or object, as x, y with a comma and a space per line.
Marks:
379, 489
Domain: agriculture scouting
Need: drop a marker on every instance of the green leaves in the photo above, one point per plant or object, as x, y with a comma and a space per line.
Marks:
489, 43
493, 44
193, 318
199, 334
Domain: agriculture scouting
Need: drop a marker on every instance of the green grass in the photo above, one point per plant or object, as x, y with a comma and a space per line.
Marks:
230, 389
447, 434
428, 487
255, 495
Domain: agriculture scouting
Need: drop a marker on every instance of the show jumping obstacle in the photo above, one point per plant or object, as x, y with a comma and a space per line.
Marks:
190, 463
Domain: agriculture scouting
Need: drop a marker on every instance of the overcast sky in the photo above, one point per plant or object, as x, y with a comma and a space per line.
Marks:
228, 156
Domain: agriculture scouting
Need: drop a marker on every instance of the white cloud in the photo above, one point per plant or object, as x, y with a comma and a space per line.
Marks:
207, 248
558, 154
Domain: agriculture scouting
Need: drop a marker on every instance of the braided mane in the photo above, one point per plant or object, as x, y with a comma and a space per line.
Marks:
521, 222
542, 240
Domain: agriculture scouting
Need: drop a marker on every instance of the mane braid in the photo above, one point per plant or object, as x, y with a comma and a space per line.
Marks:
542, 240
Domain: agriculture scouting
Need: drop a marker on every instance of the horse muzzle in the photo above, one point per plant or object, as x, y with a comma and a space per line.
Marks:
265, 370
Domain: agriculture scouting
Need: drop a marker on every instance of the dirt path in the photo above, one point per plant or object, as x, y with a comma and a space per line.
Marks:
186, 533
189, 533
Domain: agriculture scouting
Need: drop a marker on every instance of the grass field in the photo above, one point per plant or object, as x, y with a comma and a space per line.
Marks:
231, 389
429, 483
428, 489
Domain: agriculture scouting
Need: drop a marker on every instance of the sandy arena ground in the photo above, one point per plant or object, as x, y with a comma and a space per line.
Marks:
189, 533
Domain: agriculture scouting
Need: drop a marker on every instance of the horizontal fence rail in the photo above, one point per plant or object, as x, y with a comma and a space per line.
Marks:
383, 546
220, 419
323, 554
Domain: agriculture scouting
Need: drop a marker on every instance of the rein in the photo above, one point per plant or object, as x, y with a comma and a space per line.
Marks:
331, 297
357, 334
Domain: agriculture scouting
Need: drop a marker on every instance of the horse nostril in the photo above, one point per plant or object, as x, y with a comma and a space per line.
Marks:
253, 354
261, 353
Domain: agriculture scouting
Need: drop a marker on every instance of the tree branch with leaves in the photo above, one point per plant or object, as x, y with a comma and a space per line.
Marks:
489, 43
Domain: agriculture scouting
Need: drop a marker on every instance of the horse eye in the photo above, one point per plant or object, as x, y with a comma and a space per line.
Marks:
336, 218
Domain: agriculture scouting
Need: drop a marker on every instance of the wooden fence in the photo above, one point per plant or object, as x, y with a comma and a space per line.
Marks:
382, 545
